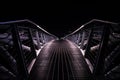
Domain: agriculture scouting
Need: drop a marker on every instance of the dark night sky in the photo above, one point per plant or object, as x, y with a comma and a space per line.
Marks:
61, 18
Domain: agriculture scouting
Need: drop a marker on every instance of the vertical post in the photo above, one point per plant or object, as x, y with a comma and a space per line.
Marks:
78, 40
42, 37
74, 38
82, 41
99, 67
32, 43
23, 73
38, 39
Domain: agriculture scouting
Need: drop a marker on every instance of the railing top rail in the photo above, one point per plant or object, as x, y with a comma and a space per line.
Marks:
28, 21
91, 21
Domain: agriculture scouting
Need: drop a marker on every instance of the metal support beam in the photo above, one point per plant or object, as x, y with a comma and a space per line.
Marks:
89, 42
23, 73
99, 67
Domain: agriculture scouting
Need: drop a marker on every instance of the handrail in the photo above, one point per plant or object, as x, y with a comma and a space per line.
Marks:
26, 20
91, 21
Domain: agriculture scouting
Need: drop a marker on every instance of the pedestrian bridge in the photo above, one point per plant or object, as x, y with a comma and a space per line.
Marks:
28, 52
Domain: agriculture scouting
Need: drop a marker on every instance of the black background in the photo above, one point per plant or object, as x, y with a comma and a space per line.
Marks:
60, 17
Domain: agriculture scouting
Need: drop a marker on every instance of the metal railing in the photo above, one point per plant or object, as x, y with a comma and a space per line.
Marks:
93, 39
21, 39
